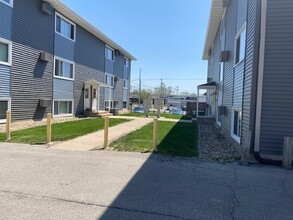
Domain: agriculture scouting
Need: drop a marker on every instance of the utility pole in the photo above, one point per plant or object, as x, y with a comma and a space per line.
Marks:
139, 90
161, 88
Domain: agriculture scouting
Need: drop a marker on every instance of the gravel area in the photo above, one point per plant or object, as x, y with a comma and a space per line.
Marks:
214, 145
23, 124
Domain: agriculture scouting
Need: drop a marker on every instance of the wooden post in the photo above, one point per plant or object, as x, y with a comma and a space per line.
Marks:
8, 124
49, 128
155, 134
287, 152
106, 131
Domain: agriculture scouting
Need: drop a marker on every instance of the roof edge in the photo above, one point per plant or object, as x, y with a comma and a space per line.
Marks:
72, 15
215, 17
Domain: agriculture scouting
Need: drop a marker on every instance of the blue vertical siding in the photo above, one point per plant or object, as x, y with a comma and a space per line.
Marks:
5, 81
62, 89
64, 47
5, 19
109, 66
89, 50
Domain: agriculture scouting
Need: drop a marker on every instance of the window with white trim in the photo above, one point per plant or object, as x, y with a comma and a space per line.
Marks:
7, 2
65, 27
109, 80
240, 41
64, 68
109, 53
5, 51
63, 107
236, 124
126, 62
5, 104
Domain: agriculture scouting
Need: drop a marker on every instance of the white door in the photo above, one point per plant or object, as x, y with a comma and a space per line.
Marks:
90, 97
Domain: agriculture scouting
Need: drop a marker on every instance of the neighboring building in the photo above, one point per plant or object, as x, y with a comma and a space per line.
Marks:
52, 60
249, 48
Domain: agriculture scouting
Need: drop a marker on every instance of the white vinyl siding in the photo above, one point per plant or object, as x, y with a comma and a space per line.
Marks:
65, 27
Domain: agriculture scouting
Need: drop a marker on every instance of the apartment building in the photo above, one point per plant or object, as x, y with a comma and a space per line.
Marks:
249, 49
54, 61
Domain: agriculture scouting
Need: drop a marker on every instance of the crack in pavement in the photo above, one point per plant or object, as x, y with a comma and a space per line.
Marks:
235, 202
93, 204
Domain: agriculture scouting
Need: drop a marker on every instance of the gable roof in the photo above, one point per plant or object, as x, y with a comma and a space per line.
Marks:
216, 14
74, 17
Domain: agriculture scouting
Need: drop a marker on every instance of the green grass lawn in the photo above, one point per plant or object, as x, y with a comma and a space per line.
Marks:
177, 139
165, 115
60, 132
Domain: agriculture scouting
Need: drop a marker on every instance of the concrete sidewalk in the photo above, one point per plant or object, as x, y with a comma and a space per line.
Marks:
96, 140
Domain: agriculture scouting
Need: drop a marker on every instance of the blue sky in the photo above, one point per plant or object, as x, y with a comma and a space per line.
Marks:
166, 37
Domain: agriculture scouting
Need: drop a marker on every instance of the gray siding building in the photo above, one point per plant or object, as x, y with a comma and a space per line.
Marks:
53, 61
249, 49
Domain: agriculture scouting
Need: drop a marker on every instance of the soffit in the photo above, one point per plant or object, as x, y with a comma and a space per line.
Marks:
216, 14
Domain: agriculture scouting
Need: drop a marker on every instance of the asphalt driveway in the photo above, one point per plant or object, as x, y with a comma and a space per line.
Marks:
39, 183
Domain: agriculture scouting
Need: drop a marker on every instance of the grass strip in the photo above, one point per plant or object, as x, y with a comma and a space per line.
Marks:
60, 132
177, 139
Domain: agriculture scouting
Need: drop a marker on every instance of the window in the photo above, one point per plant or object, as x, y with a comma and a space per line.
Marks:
64, 27
124, 105
5, 52
63, 108
64, 68
5, 105
109, 53
124, 83
240, 45
221, 72
126, 62
236, 124
7, 2
109, 80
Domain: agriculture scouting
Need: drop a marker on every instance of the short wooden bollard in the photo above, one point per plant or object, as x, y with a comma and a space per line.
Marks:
155, 134
287, 152
106, 131
8, 124
49, 128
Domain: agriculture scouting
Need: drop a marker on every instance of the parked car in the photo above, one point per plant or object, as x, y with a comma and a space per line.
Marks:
177, 111
138, 109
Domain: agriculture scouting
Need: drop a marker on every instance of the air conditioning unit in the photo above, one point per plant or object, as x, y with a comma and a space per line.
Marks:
47, 8
44, 56
226, 3
45, 102
224, 56
116, 78
117, 53
221, 110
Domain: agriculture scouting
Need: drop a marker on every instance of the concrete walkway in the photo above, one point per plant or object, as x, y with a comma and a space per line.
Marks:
96, 140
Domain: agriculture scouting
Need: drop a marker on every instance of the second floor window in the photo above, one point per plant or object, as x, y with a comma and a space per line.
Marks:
65, 28
64, 69
110, 80
240, 45
109, 53
126, 62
